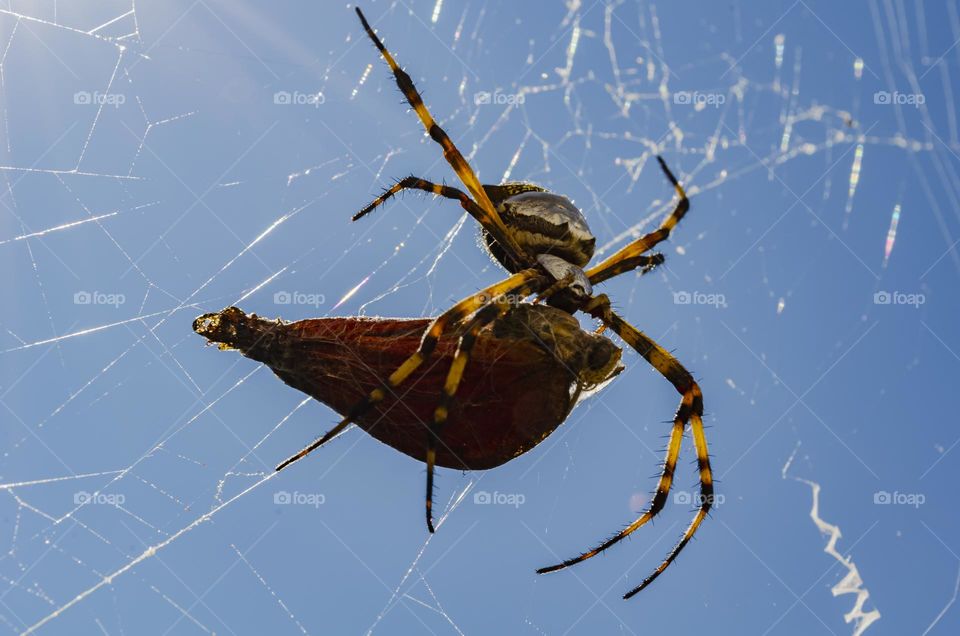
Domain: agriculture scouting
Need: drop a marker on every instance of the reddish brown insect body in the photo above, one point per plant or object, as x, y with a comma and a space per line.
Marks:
522, 380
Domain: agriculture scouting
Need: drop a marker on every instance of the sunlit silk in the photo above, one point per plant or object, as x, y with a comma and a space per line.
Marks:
353, 291
891, 234
854, 180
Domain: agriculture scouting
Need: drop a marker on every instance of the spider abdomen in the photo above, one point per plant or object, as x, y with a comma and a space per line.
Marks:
544, 223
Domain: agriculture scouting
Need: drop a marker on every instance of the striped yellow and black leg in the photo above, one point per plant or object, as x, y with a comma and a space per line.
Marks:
489, 217
646, 263
690, 410
522, 283
484, 317
629, 257
706, 487
496, 193
558, 285
416, 183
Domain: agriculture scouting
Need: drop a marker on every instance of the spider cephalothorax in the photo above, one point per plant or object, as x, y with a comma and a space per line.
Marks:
544, 241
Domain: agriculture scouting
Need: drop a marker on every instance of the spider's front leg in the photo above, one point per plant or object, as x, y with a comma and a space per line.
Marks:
416, 183
690, 410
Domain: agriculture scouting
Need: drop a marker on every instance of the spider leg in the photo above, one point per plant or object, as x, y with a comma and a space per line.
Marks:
557, 286
488, 216
629, 257
484, 317
690, 410
646, 263
524, 282
416, 183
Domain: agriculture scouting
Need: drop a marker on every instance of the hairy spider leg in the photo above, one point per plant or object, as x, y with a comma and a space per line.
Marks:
489, 217
646, 263
690, 410
524, 282
496, 193
629, 257
497, 308
416, 183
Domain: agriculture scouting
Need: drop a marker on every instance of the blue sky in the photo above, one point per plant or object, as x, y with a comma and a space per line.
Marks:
166, 159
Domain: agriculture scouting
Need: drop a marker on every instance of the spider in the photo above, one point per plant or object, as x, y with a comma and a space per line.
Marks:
544, 241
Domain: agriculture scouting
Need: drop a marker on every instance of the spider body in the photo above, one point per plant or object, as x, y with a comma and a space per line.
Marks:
544, 241
550, 228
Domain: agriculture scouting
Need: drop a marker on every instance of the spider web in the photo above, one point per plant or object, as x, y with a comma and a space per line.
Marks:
162, 160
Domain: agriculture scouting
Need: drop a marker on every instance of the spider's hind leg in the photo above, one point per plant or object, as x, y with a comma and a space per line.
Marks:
690, 410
